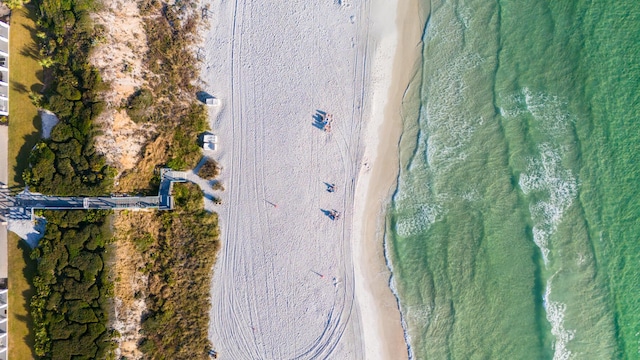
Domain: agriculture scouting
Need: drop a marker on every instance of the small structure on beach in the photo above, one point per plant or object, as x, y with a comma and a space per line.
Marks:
209, 142
212, 101
207, 98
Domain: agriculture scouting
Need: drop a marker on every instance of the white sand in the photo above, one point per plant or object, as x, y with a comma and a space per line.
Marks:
29, 231
285, 285
49, 120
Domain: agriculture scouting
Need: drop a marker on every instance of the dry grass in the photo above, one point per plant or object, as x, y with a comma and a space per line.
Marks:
138, 179
118, 56
21, 271
131, 282
24, 124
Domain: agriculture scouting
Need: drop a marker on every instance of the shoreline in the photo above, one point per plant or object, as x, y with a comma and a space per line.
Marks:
382, 326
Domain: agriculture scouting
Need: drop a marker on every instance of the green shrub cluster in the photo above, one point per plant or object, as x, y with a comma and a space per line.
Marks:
184, 151
139, 104
70, 307
180, 263
67, 164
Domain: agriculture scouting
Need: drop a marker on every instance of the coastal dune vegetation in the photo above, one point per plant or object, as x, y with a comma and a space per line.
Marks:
177, 260
71, 305
169, 98
73, 283
177, 257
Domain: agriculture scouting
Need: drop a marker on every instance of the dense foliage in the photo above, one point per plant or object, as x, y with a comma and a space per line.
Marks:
15, 4
70, 308
68, 164
179, 266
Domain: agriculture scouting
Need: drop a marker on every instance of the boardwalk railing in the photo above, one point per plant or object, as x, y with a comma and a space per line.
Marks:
31, 201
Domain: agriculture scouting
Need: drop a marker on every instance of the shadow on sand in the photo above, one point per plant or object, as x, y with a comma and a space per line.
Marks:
319, 119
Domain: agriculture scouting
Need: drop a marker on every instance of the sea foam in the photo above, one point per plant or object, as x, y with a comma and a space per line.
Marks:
557, 186
555, 315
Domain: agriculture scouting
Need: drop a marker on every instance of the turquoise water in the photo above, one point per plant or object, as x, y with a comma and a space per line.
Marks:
515, 229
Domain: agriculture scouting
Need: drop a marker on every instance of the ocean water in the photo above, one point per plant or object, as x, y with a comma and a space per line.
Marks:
514, 232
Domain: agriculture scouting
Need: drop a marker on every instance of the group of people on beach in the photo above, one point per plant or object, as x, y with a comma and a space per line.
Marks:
327, 120
333, 214
324, 120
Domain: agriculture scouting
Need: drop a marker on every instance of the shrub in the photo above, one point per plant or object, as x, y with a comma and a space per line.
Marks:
61, 132
68, 91
71, 288
139, 104
60, 315
15, 4
217, 186
209, 170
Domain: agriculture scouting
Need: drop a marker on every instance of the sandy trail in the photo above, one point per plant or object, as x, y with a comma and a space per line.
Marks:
284, 283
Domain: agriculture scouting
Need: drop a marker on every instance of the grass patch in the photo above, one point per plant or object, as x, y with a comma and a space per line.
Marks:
26, 76
21, 272
24, 124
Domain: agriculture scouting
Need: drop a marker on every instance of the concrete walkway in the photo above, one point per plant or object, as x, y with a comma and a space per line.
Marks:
4, 180
4, 159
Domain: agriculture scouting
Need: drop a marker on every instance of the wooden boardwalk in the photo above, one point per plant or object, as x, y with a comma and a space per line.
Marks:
27, 201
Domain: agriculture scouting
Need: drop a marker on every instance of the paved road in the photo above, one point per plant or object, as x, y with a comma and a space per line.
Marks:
4, 179
3, 252
4, 157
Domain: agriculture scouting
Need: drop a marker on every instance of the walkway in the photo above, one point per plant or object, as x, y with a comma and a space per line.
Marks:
4, 149
27, 201
4, 180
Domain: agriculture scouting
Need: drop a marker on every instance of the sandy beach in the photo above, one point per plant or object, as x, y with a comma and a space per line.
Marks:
290, 281
400, 44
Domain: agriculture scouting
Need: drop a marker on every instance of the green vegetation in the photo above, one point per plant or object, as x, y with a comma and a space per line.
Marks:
179, 266
68, 163
23, 135
169, 101
25, 72
70, 308
179, 257
184, 151
21, 272
70, 305
15, 4
139, 104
